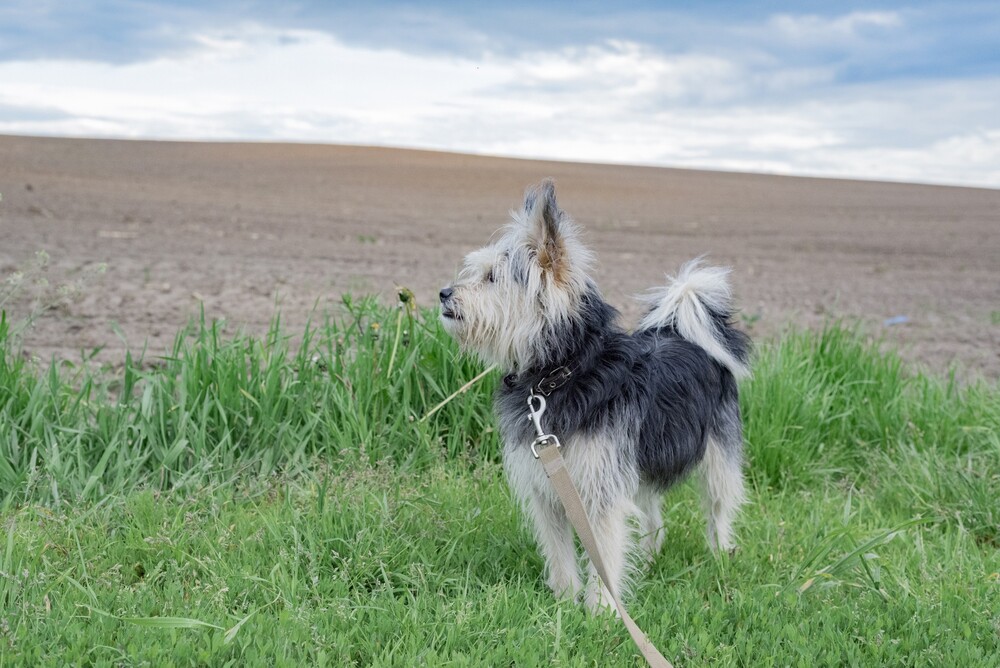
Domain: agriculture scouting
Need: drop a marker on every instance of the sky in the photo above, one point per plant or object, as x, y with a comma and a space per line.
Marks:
899, 91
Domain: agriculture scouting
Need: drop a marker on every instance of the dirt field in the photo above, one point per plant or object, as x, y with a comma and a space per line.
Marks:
242, 227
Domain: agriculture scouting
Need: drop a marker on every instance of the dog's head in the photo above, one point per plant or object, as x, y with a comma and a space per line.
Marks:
512, 295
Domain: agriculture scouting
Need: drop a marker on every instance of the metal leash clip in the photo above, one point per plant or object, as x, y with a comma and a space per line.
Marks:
535, 415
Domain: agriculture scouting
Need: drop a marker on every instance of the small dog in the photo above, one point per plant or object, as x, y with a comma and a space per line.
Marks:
635, 412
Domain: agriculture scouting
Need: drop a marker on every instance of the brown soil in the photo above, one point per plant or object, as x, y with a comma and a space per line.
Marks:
242, 227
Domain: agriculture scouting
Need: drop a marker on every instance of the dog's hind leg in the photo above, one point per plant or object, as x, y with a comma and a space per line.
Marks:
555, 540
722, 488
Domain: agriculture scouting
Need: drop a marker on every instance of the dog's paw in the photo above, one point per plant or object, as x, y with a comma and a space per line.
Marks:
567, 588
599, 602
725, 546
650, 546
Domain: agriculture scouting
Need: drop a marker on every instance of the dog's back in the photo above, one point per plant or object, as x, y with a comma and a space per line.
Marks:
696, 360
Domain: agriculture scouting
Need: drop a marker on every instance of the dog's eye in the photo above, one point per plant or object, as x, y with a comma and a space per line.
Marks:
491, 277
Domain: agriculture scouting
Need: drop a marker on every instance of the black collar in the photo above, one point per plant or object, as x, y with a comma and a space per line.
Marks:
549, 383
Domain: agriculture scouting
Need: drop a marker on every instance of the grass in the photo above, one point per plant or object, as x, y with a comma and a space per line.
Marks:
243, 501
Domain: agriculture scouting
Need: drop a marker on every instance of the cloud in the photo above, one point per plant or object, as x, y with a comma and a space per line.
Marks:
813, 29
613, 100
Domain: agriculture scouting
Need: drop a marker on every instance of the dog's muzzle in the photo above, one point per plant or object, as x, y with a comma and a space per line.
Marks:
447, 306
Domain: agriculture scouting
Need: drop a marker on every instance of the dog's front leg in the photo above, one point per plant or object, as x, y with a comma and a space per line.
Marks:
612, 534
652, 531
555, 540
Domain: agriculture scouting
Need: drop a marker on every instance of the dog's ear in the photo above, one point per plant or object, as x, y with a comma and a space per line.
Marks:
544, 218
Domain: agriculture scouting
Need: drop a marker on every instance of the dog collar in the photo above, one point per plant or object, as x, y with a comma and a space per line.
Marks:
551, 382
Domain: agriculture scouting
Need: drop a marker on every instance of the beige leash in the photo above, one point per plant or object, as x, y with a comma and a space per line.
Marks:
546, 449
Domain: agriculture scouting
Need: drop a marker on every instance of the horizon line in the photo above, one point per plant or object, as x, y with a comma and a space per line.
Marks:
498, 156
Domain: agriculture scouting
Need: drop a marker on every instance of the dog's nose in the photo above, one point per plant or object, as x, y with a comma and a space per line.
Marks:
445, 293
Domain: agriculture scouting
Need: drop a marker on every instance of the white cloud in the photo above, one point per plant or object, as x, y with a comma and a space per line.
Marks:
615, 101
814, 29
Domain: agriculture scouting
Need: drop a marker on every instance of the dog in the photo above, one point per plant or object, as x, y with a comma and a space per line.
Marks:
635, 412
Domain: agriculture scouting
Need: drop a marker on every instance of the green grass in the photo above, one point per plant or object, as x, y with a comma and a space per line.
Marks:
246, 501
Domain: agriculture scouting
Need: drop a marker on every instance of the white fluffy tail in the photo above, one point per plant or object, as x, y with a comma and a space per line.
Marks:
697, 304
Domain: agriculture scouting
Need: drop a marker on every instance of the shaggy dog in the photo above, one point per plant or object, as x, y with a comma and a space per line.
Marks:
636, 412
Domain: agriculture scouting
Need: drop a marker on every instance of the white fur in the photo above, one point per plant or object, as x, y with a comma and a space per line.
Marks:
500, 322
684, 304
722, 494
651, 530
554, 535
503, 321
607, 495
611, 498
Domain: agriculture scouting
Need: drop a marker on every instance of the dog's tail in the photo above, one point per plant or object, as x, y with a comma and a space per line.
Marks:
697, 305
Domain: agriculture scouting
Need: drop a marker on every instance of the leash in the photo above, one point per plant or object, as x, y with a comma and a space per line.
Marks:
546, 449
